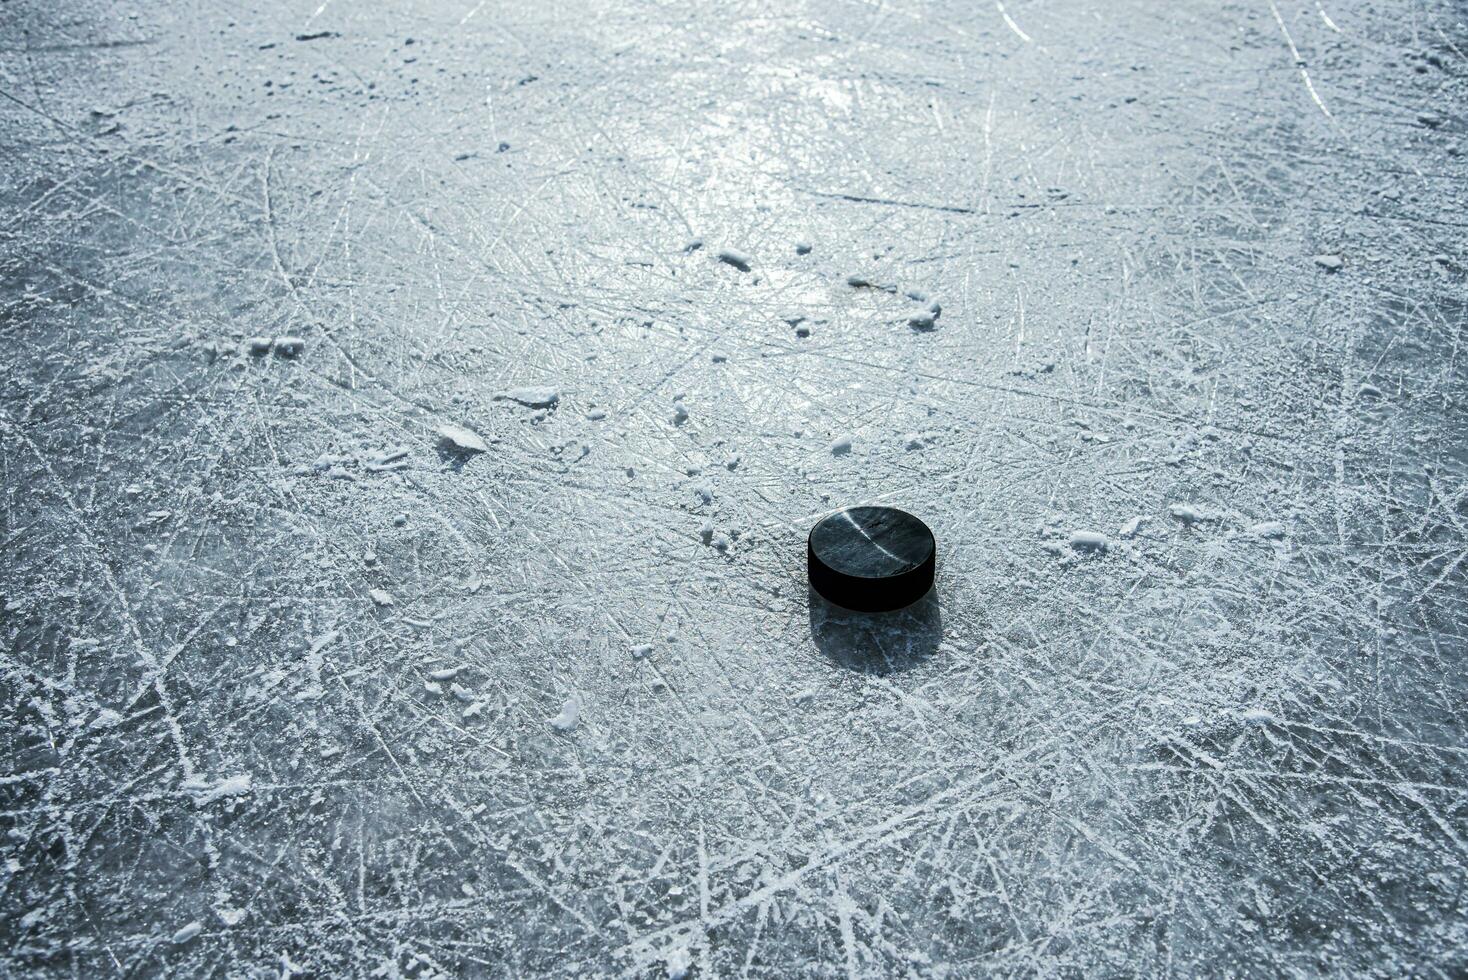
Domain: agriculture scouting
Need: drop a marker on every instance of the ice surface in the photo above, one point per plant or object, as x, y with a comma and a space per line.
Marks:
1207, 255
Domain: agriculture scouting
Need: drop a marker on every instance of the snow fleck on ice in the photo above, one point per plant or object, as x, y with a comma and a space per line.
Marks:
206, 791
1269, 530
679, 962
841, 445
188, 932
569, 716
1188, 513
533, 396
1089, 541
290, 346
381, 597
106, 718
322, 642
736, 258
466, 439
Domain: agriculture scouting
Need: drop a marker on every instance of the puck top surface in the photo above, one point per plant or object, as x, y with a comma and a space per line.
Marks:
871, 542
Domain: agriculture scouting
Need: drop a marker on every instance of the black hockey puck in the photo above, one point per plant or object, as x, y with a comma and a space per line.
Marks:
871, 559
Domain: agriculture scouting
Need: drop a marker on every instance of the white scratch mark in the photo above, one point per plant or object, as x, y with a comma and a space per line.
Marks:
999, 5
1299, 61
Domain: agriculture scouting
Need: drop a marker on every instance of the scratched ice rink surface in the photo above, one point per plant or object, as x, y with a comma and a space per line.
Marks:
411, 419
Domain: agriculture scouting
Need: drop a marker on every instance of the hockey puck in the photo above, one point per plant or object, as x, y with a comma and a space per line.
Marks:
871, 559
